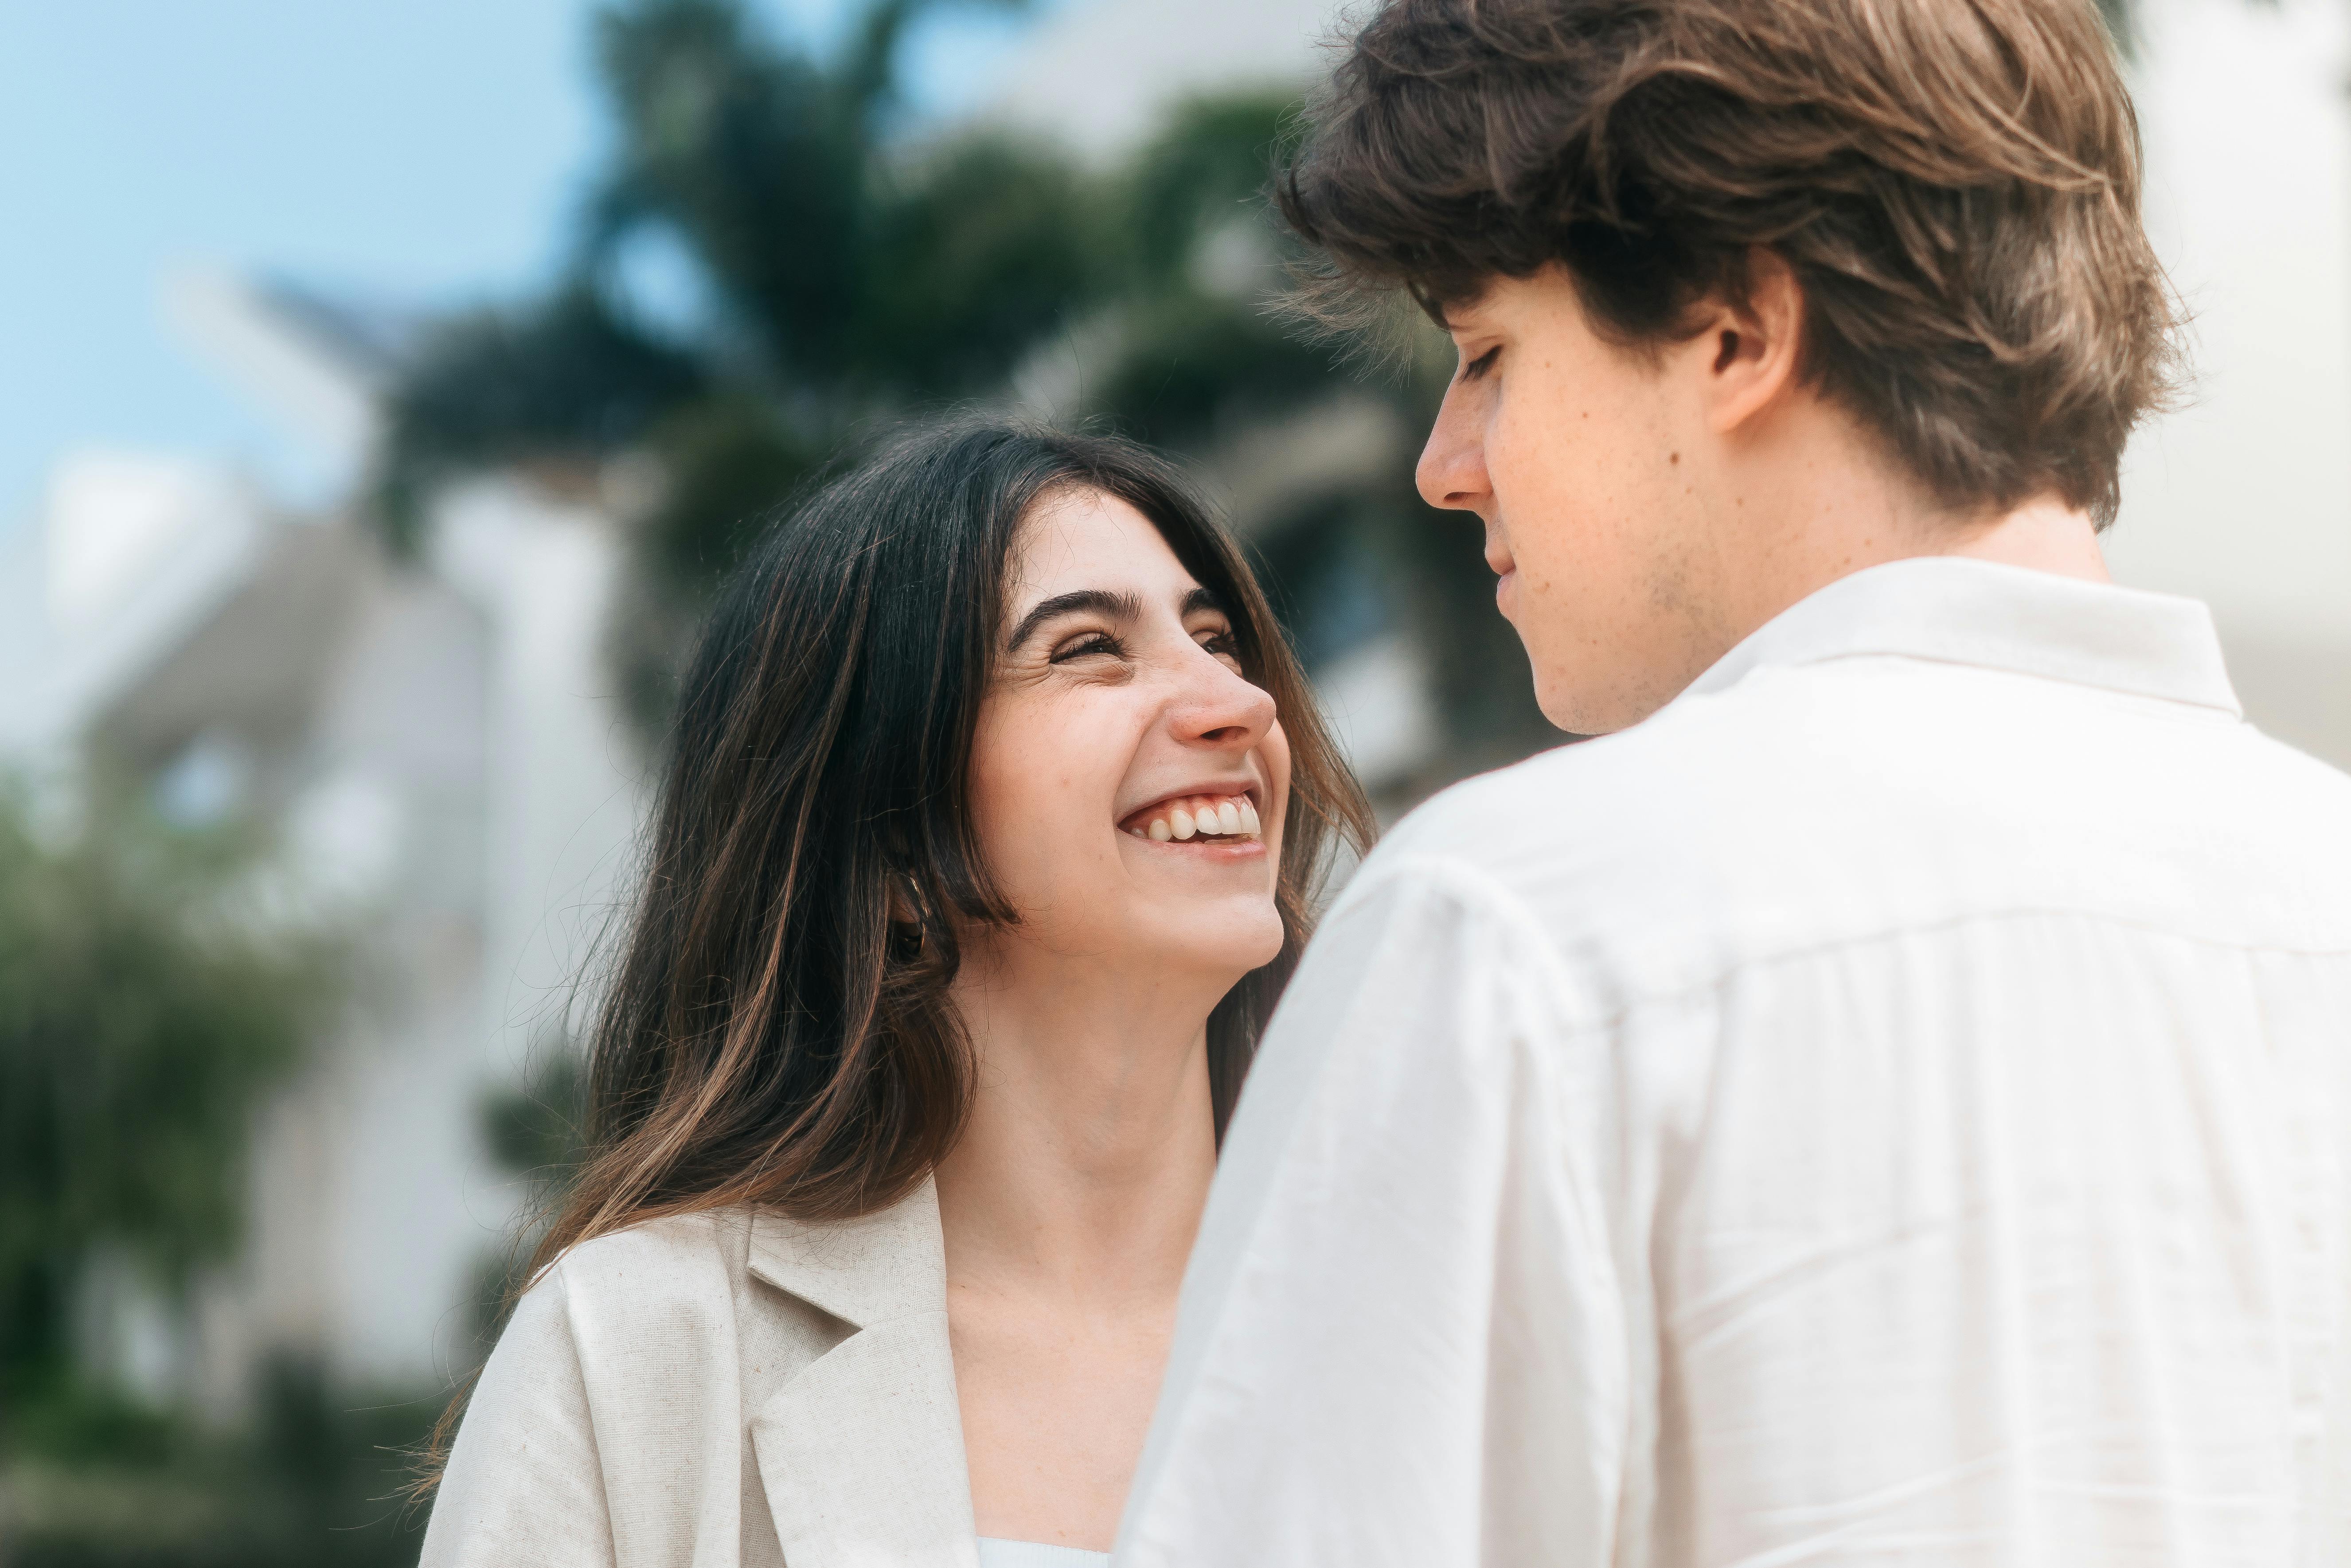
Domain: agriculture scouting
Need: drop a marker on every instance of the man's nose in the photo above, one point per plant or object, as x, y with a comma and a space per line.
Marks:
1452, 468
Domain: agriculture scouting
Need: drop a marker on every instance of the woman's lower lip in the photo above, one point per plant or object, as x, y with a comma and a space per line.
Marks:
1215, 848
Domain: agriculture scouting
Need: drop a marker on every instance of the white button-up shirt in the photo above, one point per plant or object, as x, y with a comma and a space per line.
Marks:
1892, 1107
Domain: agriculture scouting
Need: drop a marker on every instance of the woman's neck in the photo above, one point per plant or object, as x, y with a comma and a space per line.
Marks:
1091, 1140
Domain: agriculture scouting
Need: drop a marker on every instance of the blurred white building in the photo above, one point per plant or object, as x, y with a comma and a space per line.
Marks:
437, 742
2243, 499
430, 744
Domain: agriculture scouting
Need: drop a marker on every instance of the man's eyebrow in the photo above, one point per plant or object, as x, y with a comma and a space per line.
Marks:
1101, 600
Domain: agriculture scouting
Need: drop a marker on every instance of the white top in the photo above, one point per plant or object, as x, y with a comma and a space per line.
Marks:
1893, 1105
996, 1552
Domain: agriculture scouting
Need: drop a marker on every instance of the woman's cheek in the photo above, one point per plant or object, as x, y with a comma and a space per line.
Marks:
1276, 753
1009, 817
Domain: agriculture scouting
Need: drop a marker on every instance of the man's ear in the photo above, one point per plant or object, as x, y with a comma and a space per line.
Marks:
1752, 345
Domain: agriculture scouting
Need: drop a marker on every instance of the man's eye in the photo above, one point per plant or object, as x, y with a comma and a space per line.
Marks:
1481, 364
1092, 643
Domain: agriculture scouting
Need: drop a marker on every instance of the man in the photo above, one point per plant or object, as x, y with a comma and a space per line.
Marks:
1889, 1098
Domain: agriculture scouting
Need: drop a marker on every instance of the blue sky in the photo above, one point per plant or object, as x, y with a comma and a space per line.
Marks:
425, 151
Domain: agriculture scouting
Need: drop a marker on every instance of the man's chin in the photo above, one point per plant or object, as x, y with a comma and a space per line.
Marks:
1568, 720
1586, 707
1560, 702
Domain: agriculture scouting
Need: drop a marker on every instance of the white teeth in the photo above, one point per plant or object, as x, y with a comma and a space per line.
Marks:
1201, 815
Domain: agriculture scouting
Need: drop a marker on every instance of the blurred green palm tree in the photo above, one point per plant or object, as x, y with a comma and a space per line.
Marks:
856, 276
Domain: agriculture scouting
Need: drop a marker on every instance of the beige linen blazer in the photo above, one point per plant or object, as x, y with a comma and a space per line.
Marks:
723, 1390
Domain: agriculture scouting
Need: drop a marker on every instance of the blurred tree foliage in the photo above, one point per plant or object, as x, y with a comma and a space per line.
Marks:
856, 276
149, 1002
144, 1009
535, 1133
312, 1480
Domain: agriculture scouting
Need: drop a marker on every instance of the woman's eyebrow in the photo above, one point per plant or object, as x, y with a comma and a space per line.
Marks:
1099, 601
1201, 599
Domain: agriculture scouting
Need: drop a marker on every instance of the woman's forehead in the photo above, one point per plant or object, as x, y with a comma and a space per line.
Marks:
1086, 539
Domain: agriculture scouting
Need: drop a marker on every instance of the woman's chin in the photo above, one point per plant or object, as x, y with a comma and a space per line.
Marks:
1219, 940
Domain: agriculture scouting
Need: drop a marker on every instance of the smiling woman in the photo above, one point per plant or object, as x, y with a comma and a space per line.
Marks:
986, 843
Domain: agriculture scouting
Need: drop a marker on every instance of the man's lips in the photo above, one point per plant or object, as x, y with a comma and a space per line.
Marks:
1505, 568
1498, 554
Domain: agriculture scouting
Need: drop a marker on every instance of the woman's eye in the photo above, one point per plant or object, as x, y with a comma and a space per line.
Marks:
1092, 642
1481, 364
1223, 643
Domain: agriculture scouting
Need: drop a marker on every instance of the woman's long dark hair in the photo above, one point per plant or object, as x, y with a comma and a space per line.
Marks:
778, 1030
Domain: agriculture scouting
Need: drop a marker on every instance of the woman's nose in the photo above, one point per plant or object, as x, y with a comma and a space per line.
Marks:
1221, 707
1452, 468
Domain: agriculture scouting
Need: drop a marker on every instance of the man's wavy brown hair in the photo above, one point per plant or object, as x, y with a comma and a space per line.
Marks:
1954, 182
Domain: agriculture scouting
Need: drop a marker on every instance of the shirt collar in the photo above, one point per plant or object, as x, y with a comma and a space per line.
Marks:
1958, 611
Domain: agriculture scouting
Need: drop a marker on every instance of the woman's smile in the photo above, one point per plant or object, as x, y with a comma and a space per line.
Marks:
1218, 819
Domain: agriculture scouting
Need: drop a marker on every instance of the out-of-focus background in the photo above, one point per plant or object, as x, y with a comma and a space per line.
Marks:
383, 391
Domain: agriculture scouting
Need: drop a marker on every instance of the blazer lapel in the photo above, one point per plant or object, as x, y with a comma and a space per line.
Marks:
861, 1452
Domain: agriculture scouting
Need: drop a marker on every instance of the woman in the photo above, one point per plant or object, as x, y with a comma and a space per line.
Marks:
982, 852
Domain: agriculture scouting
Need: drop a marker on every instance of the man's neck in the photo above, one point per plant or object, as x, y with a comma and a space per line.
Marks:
2044, 534
1817, 505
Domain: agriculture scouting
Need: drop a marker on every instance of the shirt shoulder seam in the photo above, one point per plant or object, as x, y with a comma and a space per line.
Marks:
1471, 885
1464, 881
